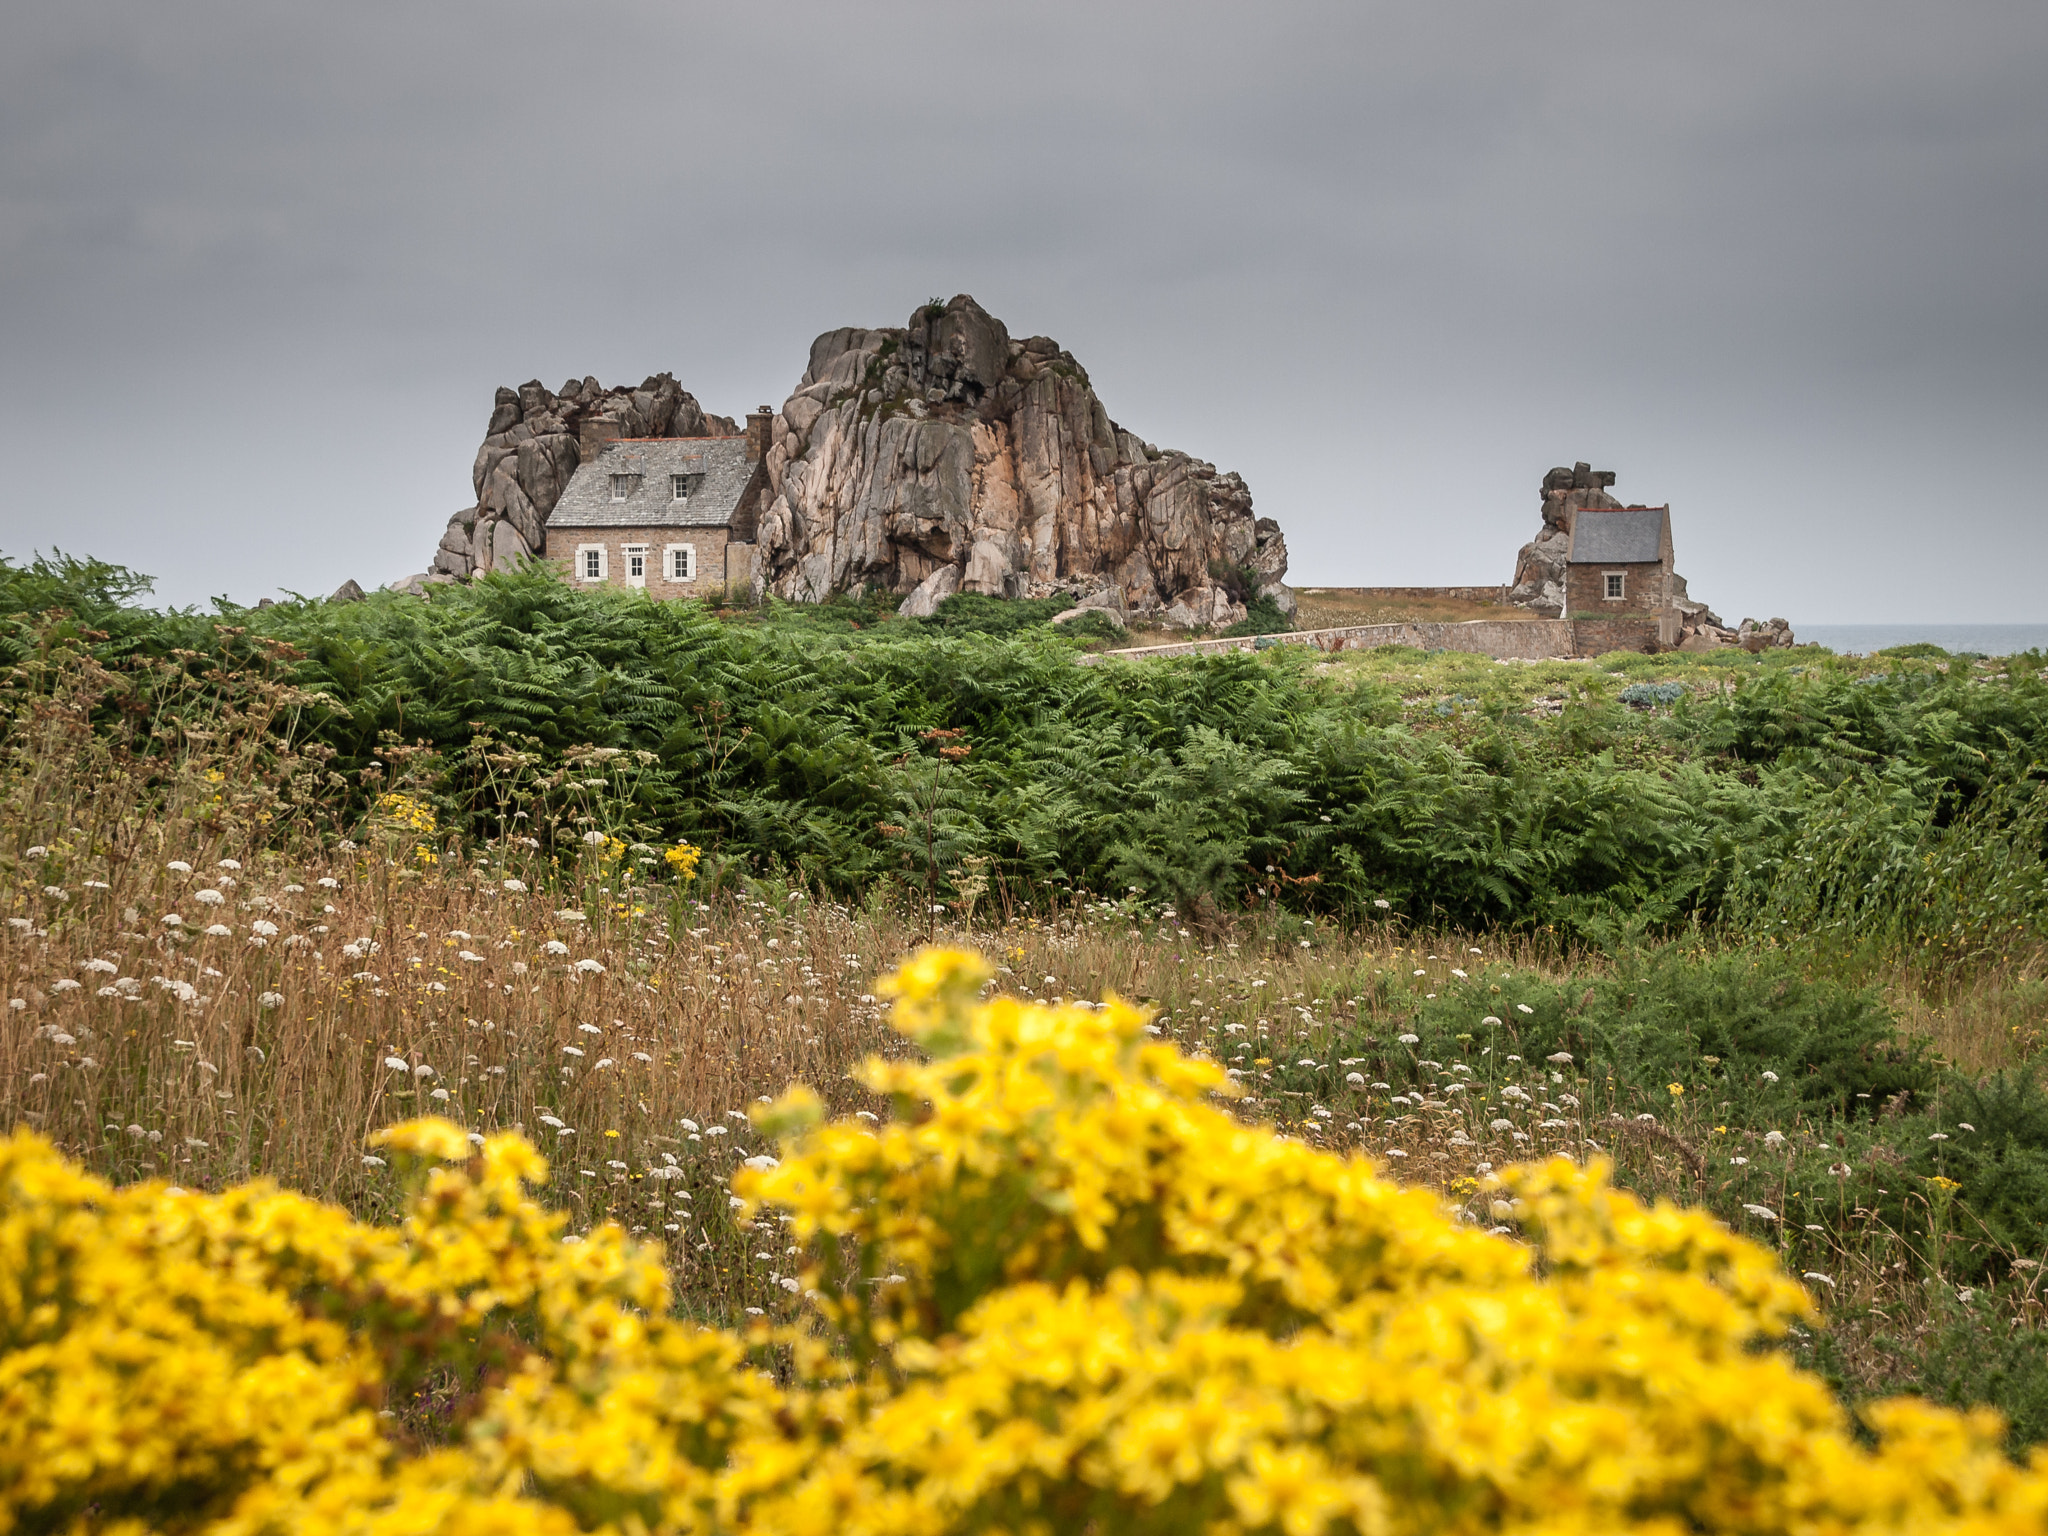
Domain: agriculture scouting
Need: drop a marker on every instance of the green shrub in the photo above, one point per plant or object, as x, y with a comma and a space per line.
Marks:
974, 613
1670, 1013
1262, 616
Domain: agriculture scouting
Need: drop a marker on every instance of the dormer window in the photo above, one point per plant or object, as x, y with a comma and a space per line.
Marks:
679, 487
622, 486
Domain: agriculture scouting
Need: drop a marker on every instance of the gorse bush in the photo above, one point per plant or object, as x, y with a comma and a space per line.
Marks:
1057, 1291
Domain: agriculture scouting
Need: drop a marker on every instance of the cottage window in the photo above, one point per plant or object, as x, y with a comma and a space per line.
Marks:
636, 565
682, 562
1614, 579
679, 485
590, 562
622, 486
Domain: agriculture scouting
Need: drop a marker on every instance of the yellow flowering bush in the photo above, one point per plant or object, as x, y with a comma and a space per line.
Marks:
683, 859
1061, 1289
407, 811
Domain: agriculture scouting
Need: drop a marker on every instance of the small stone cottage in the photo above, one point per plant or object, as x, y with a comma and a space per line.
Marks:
1620, 563
674, 516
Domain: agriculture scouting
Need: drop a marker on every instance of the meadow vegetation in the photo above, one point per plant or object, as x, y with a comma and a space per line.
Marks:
1766, 932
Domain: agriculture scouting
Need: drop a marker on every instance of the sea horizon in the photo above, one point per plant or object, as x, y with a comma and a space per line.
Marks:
1987, 639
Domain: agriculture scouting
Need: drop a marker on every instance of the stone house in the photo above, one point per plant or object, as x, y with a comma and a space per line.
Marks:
673, 516
1620, 564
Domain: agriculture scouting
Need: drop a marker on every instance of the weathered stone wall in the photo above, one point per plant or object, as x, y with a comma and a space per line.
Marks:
1642, 589
1502, 639
1596, 637
709, 543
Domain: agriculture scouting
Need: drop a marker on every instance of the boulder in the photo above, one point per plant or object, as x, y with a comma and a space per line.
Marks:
926, 596
349, 591
948, 444
1772, 634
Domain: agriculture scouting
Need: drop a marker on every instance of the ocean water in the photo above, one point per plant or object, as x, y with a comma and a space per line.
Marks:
1986, 639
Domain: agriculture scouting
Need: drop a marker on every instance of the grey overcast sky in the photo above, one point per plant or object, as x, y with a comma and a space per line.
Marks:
1783, 264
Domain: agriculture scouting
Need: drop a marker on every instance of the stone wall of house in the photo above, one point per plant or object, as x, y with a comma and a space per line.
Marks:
1633, 632
563, 544
1642, 589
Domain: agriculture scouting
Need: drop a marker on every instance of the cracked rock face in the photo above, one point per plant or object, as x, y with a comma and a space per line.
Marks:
945, 456
534, 442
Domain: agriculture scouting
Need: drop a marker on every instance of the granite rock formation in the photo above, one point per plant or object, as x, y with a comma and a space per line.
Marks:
934, 458
1539, 583
534, 442
946, 457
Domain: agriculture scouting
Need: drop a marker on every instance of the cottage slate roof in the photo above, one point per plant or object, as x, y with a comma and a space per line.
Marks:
1631, 537
718, 469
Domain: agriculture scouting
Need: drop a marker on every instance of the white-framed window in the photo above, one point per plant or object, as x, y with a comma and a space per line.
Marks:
1614, 586
679, 487
591, 564
636, 565
682, 562
622, 486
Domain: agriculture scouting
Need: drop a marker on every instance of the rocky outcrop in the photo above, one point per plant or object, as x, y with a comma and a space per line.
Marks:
534, 442
934, 458
944, 456
1540, 567
1769, 635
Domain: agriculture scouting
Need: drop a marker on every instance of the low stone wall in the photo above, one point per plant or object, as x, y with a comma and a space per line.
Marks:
1419, 594
1502, 639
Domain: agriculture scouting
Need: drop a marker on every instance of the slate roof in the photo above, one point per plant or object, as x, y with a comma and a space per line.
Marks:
1631, 537
718, 469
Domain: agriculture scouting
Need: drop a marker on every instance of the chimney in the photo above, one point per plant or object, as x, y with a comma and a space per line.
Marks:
759, 424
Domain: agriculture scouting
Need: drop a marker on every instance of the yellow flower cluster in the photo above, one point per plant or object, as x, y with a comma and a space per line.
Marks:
1061, 1289
407, 811
683, 859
